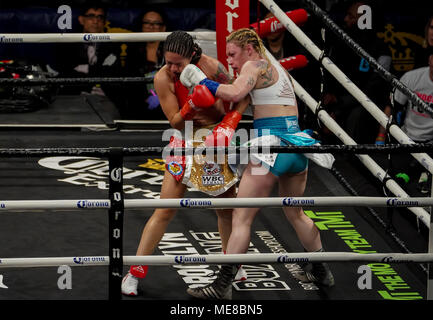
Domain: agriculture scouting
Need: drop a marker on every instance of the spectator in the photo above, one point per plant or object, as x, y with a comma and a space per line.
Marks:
147, 56
144, 59
416, 123
92, 59
348, 112
421, 53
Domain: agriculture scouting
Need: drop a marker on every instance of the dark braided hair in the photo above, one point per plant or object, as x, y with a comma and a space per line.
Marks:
181, 42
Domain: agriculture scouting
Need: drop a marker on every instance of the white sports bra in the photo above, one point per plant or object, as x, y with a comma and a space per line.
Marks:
281, 92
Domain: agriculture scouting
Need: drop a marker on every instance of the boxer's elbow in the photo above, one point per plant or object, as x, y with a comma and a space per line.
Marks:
234, 95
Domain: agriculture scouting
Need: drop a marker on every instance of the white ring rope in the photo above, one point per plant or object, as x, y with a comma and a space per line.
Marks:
270, 202
17, 38
366, 160
83, 261
424, 159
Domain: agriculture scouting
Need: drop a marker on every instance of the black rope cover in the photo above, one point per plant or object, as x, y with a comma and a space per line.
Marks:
137, 151
72, 81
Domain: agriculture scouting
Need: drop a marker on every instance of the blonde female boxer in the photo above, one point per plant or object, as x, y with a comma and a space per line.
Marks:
275, 114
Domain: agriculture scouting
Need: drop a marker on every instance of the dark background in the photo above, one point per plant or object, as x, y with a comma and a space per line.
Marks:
39, 16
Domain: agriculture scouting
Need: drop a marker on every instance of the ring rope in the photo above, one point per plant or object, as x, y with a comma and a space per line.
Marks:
201, 203
40, 81
366, 160
424, 159
18, 38
247, 258
389, 229
154, 150
388, 258
385, 74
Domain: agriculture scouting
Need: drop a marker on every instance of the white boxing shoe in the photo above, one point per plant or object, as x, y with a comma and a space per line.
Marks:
129, 285
241, 275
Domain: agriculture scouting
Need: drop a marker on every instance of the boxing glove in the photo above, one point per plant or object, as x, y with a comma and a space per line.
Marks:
271, 25
223, 133
295, 62
192, 76
200, 98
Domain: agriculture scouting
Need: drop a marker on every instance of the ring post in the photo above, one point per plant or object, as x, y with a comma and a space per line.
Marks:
115, 223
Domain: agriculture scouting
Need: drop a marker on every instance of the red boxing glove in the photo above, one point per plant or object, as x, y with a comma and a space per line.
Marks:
201, 97
223, 133
272, 24
295, 62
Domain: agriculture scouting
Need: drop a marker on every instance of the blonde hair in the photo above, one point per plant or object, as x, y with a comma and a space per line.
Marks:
243, 37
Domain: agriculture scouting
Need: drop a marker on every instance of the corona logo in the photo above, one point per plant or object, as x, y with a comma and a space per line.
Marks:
186, 259
297, 202
396, 202
116, 174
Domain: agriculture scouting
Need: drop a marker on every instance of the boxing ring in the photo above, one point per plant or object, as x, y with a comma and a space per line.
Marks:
116, 203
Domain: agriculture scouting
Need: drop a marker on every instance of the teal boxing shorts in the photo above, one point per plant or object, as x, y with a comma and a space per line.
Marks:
285, 128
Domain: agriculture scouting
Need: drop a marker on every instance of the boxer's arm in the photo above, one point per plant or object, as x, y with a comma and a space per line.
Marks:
246, 81
165, 90
223, 133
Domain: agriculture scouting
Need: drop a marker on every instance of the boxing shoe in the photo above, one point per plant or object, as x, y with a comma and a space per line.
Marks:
320, 274
220, 289
241, 275
129, 285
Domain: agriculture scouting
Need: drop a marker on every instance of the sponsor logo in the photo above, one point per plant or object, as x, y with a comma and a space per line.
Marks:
391, 259
93, 172
195, 203
92, 204
293, 268
186, 259
175, 168
116, 174
2, 206
212, 175
78, 260
83, 260
212, 180
211, 168
4, 39
295, 202
94, 37
285, 259
396, 202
